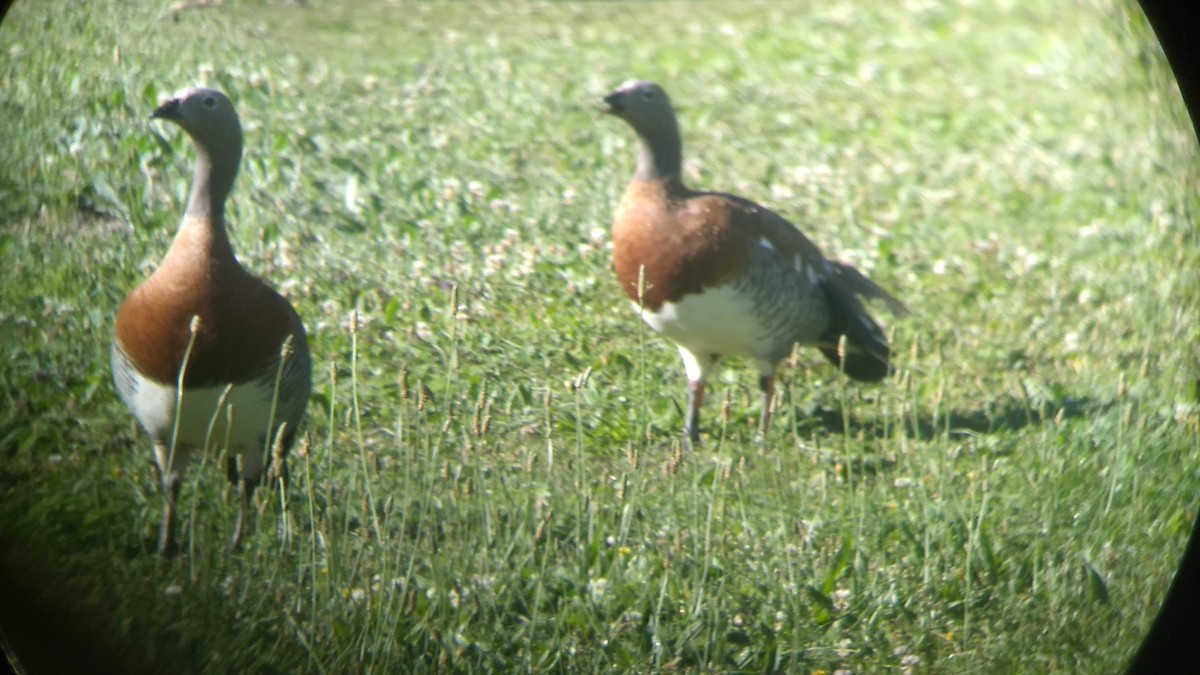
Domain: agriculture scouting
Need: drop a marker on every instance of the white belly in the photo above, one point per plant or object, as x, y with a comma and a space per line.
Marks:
717, 321
209, 418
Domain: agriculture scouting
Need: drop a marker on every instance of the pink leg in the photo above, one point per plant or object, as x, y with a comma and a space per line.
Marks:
766, 384
691, 427
245, 490
166, 534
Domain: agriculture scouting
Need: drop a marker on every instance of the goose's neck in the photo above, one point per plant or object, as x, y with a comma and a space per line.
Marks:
203, 232
213, 178
660, 152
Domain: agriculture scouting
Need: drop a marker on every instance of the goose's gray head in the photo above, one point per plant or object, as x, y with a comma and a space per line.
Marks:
207, 115
644, 105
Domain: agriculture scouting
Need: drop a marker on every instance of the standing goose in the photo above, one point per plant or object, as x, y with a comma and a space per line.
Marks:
237, 345
721, 275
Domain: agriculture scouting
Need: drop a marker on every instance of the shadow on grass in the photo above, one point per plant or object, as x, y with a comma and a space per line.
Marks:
1007, 413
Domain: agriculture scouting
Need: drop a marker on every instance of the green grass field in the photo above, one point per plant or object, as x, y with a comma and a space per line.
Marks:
492, 478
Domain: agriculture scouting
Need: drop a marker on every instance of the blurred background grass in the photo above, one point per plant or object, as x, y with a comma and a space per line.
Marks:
492, 477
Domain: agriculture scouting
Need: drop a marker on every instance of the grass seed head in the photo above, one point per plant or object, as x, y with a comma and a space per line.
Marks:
540, 533
285, 349
676, 458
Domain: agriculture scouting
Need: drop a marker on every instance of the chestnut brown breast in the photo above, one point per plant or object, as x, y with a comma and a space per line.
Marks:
243, 322
685, 241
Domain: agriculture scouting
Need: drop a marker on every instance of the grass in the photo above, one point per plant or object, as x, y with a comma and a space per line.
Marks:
491, 477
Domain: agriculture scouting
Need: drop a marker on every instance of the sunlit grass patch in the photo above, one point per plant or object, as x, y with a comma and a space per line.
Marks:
492, 476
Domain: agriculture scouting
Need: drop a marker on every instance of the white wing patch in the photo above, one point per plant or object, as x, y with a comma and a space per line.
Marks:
801, 265
811, 272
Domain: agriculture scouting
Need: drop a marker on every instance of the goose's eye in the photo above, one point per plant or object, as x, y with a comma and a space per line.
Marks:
209, 102
647, 95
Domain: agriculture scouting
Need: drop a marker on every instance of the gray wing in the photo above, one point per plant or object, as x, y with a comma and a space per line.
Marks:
124, 373
295, 383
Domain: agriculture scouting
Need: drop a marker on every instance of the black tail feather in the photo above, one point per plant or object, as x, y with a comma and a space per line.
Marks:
857, 365
866, 353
